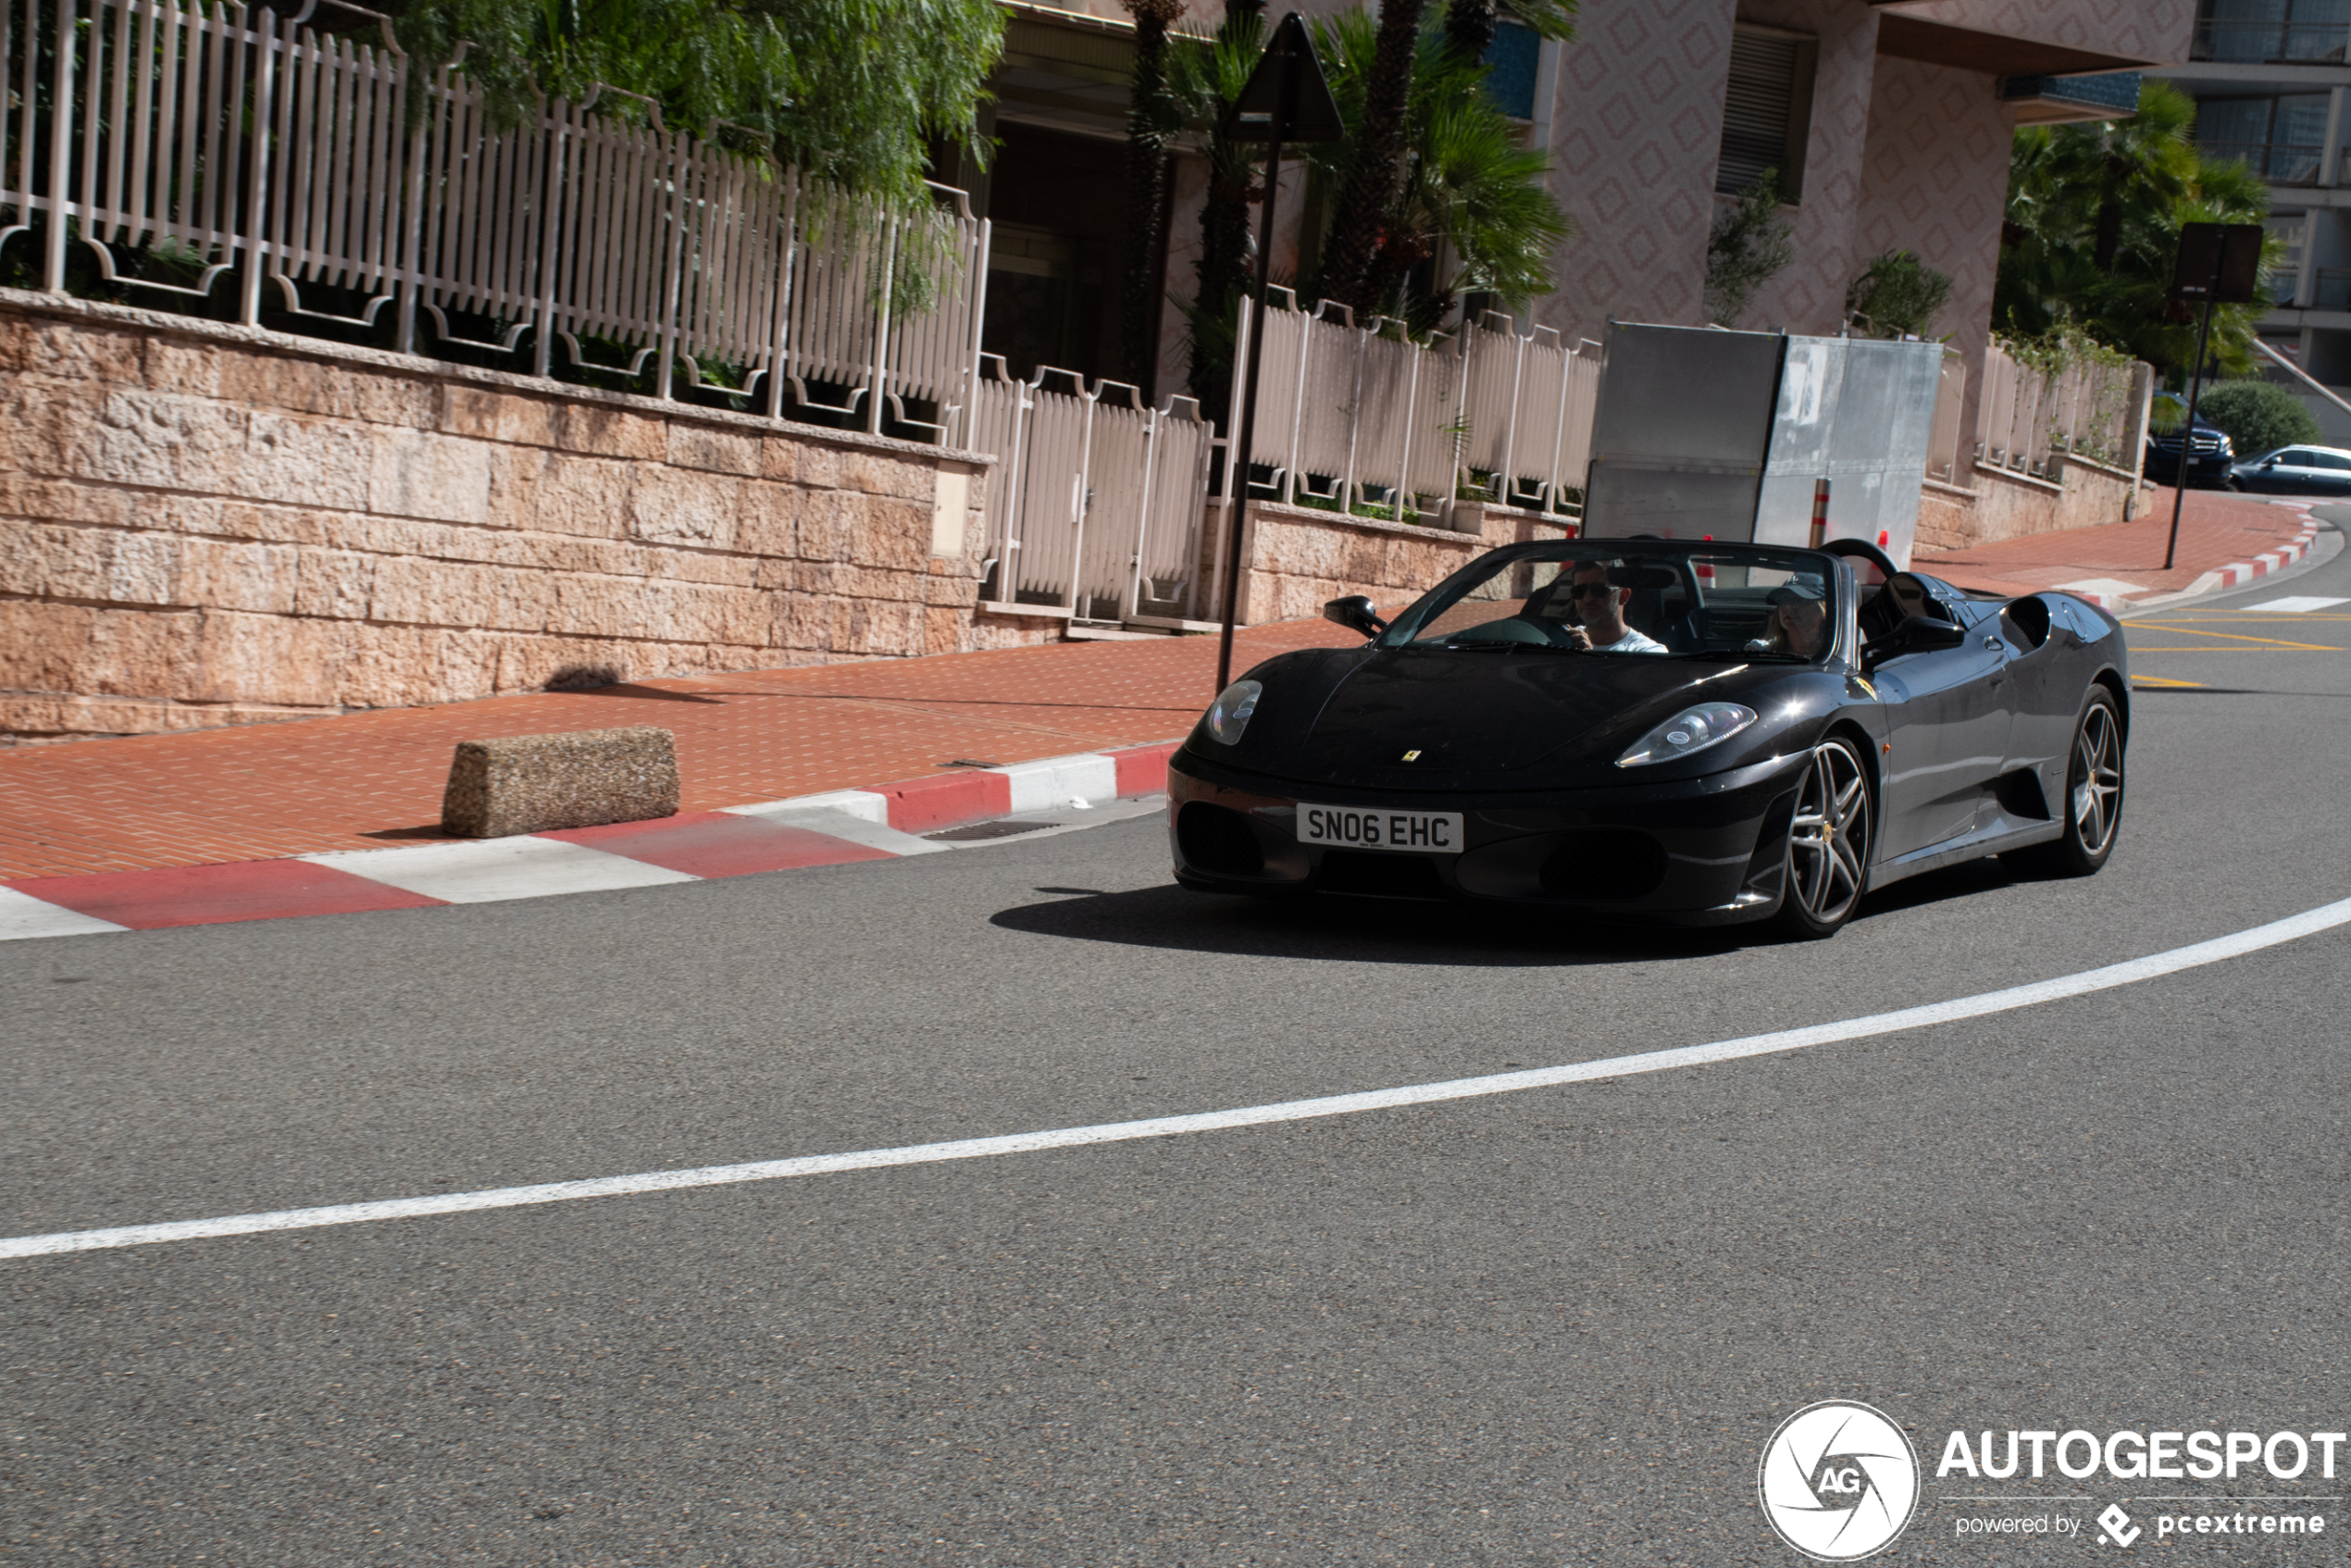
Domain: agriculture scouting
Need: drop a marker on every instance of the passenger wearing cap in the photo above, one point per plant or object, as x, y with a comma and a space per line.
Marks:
1799, 623
1598, 606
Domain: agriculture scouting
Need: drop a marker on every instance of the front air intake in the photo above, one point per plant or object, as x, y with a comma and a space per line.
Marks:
1218, 840
1607, 866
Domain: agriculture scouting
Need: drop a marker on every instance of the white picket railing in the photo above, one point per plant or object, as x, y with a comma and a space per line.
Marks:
2029, 419
1094, 511
1365, 420
177, 140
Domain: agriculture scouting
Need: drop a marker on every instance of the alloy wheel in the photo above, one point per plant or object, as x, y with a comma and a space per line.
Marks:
1829, 835
2097, 779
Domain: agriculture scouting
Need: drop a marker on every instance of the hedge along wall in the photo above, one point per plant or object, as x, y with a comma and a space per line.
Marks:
204, 524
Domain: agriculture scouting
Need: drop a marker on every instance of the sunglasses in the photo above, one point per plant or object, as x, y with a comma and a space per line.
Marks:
1581, 588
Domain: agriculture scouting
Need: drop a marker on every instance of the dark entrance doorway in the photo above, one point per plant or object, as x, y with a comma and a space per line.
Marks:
1057, 204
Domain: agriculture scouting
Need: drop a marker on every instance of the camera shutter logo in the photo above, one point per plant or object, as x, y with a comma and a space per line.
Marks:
1838, 1480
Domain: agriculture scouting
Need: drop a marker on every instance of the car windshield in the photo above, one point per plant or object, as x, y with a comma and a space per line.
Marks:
1633, 599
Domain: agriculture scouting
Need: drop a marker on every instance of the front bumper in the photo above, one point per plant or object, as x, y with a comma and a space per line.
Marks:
1709, 851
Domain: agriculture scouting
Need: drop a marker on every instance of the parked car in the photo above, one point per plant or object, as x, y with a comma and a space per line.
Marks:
2213, 458
2296, 470
1774, 734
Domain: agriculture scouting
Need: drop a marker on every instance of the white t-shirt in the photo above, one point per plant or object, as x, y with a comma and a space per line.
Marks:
1631, 643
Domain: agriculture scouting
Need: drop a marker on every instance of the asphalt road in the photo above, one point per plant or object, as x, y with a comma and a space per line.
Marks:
1555, 1326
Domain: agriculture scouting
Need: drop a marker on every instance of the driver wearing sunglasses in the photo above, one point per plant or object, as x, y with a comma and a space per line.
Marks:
1600, 610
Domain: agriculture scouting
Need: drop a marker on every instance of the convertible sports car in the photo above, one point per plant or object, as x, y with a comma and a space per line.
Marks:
1684, 732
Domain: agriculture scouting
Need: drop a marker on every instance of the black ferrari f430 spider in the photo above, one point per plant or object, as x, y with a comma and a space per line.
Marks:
1684, 732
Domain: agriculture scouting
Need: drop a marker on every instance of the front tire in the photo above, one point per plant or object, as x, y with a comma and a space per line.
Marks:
2092, 796
1828, 844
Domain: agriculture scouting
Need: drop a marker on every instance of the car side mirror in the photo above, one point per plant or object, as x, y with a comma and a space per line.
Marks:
1917, 634
1355, 613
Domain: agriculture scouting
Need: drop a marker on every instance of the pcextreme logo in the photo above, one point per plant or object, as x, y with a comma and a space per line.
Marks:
1838, 1480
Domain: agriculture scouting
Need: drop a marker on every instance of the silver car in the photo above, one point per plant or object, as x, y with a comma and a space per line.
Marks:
2296, 470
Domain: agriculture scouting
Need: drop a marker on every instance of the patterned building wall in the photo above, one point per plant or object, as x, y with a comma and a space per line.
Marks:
1636, 132
1810, 296
1937, 184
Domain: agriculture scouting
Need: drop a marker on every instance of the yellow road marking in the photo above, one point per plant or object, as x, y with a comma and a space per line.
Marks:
2237, 637
2164, 681
2193, 649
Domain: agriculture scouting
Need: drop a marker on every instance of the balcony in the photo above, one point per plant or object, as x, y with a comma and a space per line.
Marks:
2330, 289
2270, 43
2279, 162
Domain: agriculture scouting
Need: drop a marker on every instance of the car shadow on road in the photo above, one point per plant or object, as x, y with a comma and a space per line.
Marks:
1355, 930
1405, 931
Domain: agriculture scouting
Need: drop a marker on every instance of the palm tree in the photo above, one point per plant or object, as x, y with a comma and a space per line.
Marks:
1375, 176
2092, 231
1203, 79
1151, 123
1473, 214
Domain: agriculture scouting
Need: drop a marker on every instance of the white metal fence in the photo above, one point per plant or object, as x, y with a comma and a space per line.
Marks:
1094, 512
174, 143
1364, 420
2029, 418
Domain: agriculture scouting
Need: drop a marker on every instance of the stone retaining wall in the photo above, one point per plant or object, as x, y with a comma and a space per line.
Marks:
204, 524
2005, 506
1301, 557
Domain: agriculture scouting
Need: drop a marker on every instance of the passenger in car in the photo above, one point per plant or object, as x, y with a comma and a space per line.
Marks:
1798, 622
1600, 608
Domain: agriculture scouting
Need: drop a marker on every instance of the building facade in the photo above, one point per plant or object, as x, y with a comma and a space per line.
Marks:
2270, 80
1889, 125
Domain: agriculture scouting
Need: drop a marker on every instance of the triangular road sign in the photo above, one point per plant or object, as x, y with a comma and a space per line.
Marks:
1286, 99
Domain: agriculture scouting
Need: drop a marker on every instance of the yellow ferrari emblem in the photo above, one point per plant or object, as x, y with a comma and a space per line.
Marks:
1412, 756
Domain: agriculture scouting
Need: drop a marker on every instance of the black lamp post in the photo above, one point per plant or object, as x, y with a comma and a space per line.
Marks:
1286, 100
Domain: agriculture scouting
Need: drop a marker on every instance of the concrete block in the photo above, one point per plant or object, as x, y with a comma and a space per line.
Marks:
538, 783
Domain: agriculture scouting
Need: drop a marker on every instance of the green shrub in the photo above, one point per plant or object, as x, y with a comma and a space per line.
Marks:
2259, 415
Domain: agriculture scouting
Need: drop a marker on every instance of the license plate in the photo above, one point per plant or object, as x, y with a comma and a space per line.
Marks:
1410, 832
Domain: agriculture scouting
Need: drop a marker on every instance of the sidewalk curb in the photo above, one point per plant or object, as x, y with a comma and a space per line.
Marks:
2236, 574
875, 822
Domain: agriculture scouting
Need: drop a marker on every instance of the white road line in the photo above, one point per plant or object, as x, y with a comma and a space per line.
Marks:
21, 914
2292, 928
488, 869
2297, 604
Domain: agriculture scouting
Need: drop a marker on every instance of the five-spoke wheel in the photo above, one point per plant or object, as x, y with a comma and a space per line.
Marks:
2092, 796
1828, 843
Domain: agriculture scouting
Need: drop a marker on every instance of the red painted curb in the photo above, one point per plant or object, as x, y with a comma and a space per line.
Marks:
209, 895
917, 805
1142, 770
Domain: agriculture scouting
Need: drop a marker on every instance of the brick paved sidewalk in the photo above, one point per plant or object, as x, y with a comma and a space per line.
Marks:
374, 780
2216, 530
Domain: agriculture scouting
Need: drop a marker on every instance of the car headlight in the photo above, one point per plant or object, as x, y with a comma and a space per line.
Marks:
1692, 730
1229, 714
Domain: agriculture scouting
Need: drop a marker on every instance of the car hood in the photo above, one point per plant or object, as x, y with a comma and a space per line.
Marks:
1501, 720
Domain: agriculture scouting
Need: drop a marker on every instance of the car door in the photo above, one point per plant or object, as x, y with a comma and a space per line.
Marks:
2295, 473
2046, 677
2330, 473
1948, 712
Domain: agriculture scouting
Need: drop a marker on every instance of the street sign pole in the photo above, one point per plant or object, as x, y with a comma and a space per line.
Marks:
1245, 438
2187, 437
1286, 100
2219, 264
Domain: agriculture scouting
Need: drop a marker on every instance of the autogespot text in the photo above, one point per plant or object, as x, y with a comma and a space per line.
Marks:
2132, 1456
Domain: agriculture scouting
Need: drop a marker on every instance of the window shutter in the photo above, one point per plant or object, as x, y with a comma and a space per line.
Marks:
1757, 112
